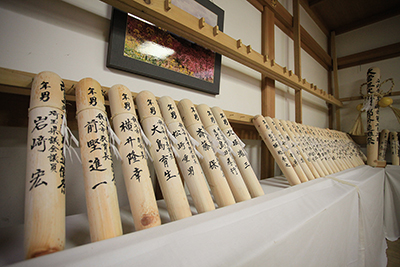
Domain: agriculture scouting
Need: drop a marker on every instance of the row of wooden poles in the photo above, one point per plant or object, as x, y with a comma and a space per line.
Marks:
389, 137
195, 143
305, 153
184, 142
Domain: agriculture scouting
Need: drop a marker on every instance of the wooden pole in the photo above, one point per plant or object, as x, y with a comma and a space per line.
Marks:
228, 163
373, 84
310, 161
163, 158
394, 144
45, 169
101, 193
136, 172
216, 180
295, 162
383, 142
247, 172
273, 145
187, 161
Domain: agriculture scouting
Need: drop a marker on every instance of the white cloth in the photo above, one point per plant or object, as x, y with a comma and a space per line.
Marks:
392, 202
370, 186
324, 222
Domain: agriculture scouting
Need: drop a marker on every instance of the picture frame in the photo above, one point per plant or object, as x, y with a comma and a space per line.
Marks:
142, 48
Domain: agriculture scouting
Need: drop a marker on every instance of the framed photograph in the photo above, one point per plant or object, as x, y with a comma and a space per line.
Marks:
141, 47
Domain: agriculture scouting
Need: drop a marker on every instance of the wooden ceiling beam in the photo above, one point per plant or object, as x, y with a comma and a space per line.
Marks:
373, 55
312, 3
370, 20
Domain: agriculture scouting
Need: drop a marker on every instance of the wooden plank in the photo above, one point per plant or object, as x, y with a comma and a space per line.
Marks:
315, 16
298, 100
187, 26
373, 55
335, 77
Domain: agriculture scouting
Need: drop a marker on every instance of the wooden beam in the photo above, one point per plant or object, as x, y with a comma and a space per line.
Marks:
298, 100
187, 26
268, 87
373, 55
257, 5
284, 21
314, 2
354, 98
335, 77
368, 21
315, 16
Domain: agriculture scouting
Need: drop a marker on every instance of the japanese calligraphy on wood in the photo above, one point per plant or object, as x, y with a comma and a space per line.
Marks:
101, 193
228, 163
187, 160
134, 164
45, 171
242, 162
163, 158
216, 179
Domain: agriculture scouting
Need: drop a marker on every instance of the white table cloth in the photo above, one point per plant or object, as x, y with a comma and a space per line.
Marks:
370, 186
392, 202
317, 223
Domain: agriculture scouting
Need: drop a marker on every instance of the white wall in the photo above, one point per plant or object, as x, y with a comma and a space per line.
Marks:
70, 38
350, 79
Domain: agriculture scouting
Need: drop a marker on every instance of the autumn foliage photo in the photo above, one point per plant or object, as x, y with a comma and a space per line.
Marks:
159, 47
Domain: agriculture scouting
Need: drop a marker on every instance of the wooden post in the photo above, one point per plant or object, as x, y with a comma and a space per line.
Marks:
335, 78
267, 87
383, 141
394, 144
297, 60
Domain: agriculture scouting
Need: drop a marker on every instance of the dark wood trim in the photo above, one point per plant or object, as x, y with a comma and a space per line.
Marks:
373, 55
370, 20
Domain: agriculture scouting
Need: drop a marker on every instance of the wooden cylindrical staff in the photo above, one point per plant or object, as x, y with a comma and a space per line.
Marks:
383, 141
319, 142
312, 144
228, 163
274, 147
242, 162
45, 168
101, 193
350, 152
373, 84
163, 158
134, 164
295, 162
309, 161
394, 145
293, 148
360, 154
187, 159
211, 167
330, 148
307, 148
